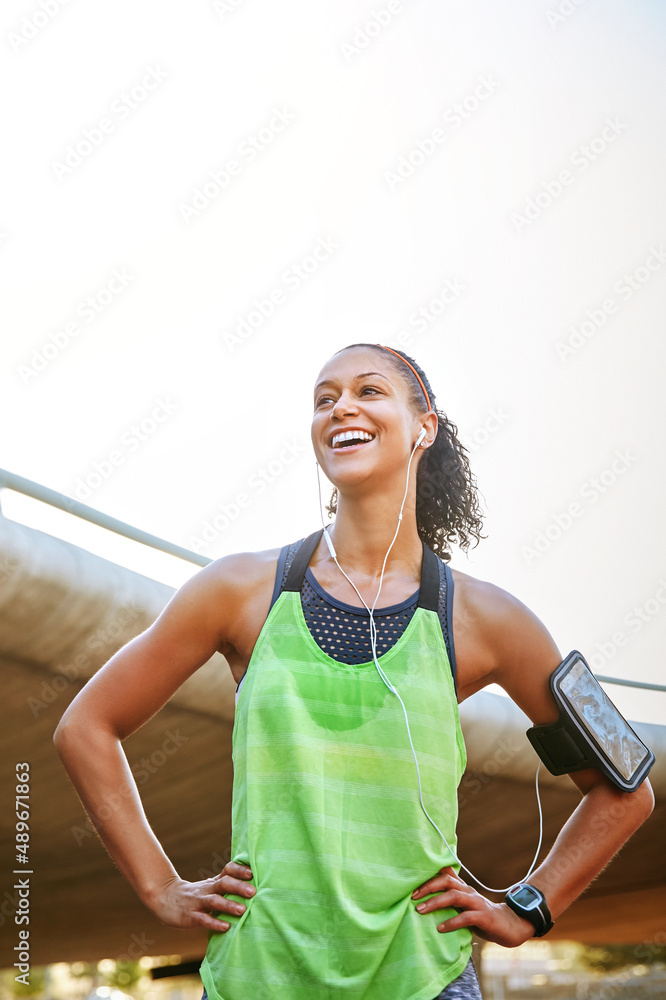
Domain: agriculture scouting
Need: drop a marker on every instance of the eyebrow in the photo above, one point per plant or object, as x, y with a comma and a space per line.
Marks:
328, 381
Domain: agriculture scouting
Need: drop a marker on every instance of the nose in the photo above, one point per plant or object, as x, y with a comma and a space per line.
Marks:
344, 404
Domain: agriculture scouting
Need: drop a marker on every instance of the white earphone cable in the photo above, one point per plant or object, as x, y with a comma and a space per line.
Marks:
373, 642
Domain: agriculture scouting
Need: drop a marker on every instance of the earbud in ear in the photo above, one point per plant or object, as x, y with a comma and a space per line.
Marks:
421, 436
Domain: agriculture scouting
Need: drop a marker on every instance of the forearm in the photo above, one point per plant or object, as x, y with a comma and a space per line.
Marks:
603, 821
97, 766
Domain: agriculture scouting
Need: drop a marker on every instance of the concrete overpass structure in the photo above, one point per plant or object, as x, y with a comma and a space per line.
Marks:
65, 611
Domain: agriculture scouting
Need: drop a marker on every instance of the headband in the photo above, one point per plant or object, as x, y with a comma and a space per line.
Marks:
427, 399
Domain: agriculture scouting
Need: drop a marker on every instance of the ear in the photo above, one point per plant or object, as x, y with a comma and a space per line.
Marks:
431, 424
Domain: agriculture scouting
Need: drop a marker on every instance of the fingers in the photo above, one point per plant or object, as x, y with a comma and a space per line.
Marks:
446, 878
468, 918
237, 869
492, 922
214, 901
453, 897
192, 909
208, 905
471, 906
204, 904
225, 883
457, 895
474, 910
213, 907
210, 923
229, 882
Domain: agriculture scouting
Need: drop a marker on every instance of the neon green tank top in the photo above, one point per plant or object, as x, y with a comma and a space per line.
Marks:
326, 813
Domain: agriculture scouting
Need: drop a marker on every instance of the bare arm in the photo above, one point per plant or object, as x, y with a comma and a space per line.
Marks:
519, 654
128, 690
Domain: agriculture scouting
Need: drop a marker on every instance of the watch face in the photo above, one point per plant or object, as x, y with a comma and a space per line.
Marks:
525, 896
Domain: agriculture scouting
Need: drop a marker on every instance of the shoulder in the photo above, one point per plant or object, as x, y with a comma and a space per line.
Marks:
226, 596
234, 574
507, 643
498, 614
243, 569
240, 575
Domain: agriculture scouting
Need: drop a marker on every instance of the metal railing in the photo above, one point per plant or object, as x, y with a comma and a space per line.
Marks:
631, 684
10, 481
19, 484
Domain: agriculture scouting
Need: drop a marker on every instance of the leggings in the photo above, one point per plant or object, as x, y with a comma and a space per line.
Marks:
465, 987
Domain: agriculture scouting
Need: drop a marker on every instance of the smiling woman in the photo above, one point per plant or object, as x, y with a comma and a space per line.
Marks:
347, 746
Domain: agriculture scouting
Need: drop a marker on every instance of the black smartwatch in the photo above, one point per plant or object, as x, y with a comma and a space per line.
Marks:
530, 903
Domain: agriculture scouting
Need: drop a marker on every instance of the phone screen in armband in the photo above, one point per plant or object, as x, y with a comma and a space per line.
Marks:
591, 731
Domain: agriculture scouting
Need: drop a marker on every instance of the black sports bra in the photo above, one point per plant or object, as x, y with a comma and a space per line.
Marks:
341, 630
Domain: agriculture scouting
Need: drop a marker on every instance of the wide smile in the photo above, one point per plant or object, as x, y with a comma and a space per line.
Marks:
351, 439
347, 448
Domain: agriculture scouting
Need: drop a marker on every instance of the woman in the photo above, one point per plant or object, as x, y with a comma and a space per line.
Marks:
334, 844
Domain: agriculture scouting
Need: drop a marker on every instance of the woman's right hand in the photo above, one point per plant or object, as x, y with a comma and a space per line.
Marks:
190, 904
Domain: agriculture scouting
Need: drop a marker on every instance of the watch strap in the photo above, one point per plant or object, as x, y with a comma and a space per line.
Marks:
538, 916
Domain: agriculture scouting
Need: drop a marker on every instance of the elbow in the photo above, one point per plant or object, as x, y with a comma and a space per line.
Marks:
640, 804
66, 734
60, 737
625, 811
81, 733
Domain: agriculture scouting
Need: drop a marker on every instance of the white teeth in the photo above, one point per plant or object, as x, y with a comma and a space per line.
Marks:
349, 436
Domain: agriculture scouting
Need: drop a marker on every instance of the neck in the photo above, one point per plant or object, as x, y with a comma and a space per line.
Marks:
364, 529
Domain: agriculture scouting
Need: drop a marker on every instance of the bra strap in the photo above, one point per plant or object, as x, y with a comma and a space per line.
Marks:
300, 562
429, 590
429, 594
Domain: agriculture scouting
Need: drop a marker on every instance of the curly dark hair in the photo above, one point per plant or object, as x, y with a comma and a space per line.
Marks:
447, 504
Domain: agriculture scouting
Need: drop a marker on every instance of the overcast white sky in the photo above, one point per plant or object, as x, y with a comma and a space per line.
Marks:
485, 180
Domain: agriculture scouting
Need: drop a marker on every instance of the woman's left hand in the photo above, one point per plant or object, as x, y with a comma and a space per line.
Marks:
492, 921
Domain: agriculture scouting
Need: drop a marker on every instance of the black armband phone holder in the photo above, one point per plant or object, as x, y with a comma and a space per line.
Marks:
590, 731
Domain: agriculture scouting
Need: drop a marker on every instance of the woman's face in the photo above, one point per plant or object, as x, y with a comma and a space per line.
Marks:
358, 390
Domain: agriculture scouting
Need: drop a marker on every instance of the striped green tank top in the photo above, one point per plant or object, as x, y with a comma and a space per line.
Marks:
326, 812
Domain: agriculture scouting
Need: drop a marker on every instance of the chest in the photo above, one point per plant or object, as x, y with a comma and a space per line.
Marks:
341, 629
331, 625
